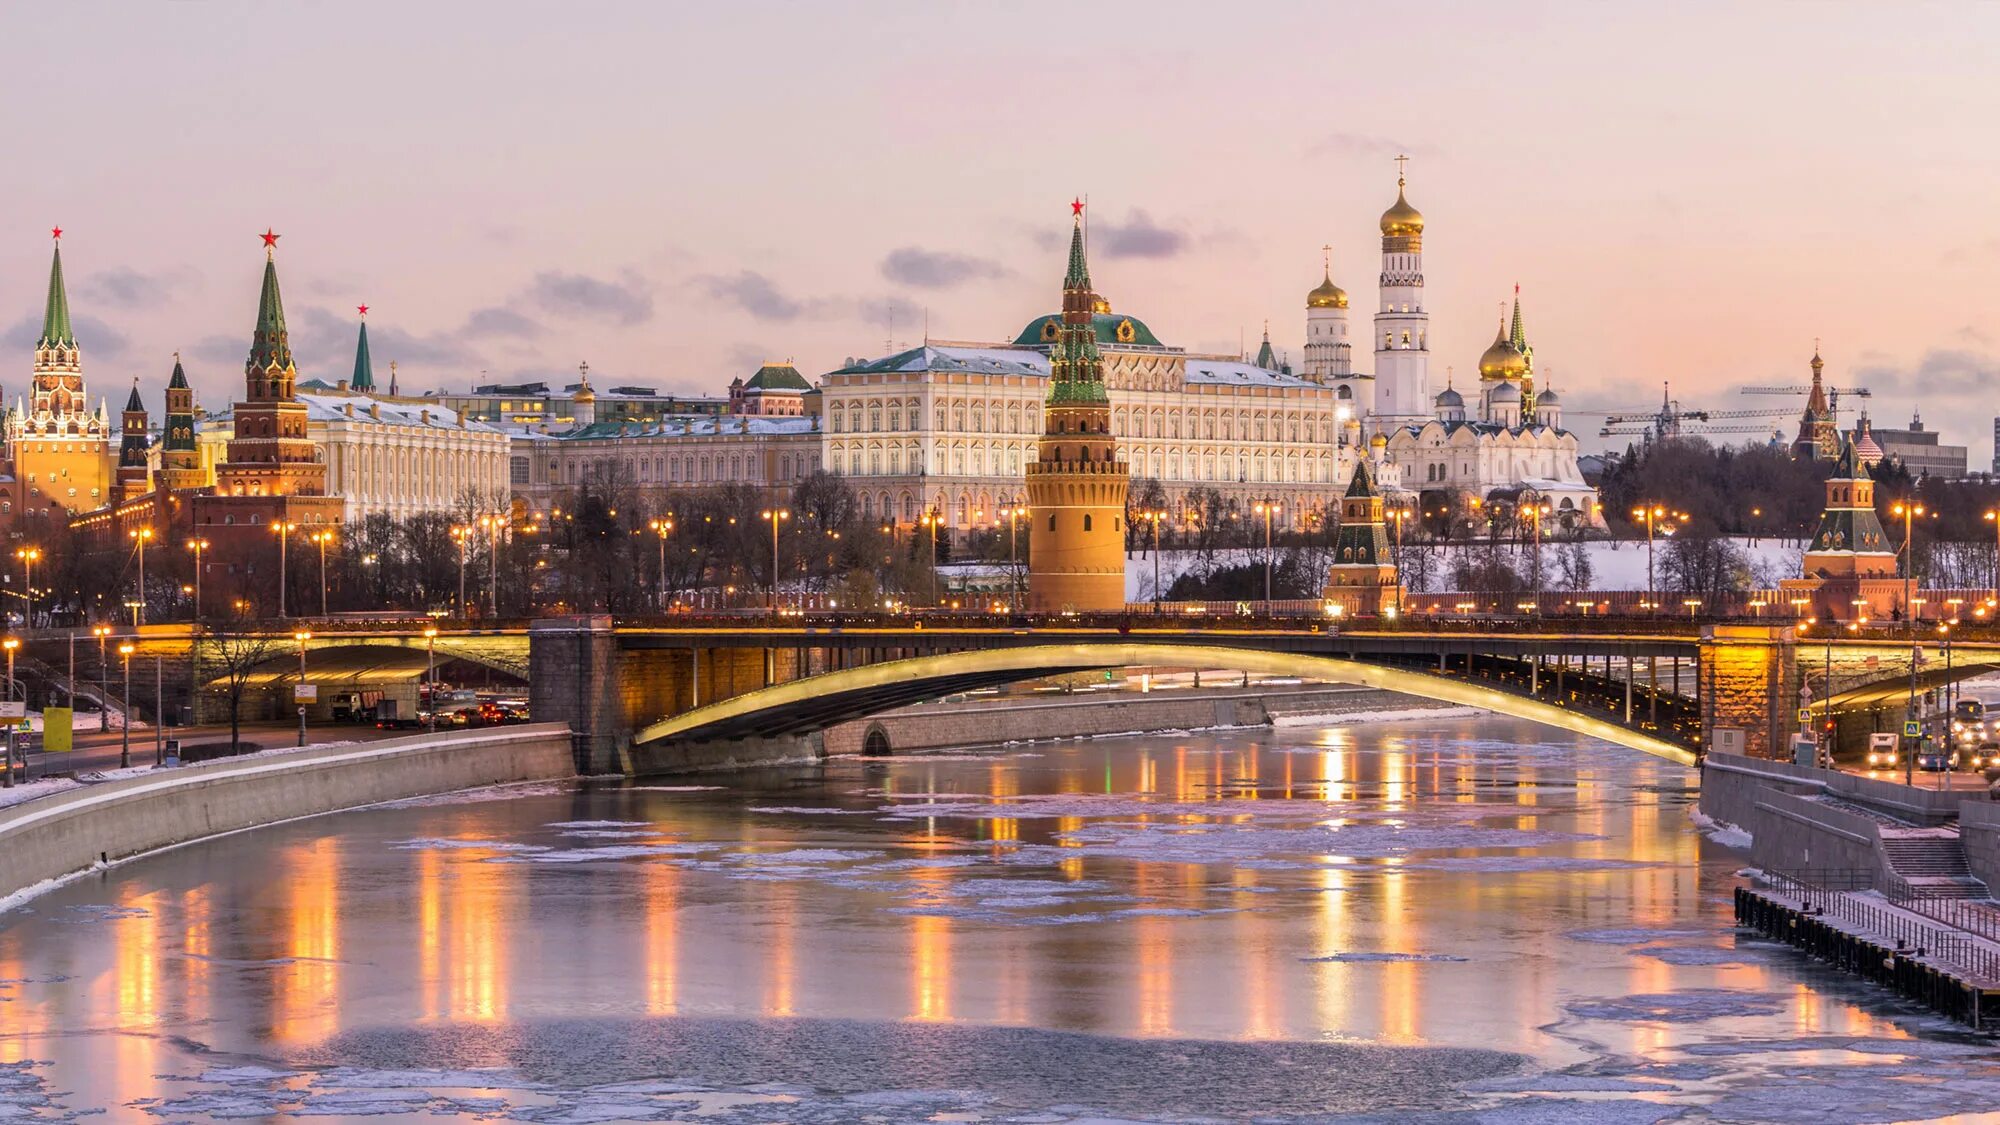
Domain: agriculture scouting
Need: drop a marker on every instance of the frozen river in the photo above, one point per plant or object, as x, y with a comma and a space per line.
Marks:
1443, 920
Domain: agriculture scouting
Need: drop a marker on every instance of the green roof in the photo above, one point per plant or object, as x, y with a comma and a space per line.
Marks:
271, 345
1078, 275
777, 377
1266, 358
180, 379
364, 367
1363, 484
55, 321
1041, 330
134, 403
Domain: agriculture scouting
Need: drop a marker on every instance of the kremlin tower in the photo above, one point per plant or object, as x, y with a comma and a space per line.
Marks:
1362, 580
1851, 559
134, 478
1076, 484
180, 462
1819, 435
1402, 327
61, 448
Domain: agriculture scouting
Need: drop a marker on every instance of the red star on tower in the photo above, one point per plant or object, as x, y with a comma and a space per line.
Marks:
55, 233
270, 240
1076, 207
363, 308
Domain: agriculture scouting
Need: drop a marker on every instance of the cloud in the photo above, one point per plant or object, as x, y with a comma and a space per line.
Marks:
323, 345
625, 301
892, 313
1942, 372
93, 337
127, 289
1137, 237
499, 322
936, 269
759, 296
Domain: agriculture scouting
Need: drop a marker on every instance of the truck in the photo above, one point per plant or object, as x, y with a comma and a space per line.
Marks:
390, 714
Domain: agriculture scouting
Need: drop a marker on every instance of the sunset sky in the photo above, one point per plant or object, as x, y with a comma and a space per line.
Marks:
677, 192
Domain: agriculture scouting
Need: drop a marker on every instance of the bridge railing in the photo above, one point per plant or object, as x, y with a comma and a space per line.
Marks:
1849, 895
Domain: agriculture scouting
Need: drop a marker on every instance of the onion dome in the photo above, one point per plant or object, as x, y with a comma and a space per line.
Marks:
1327, 295
1502, 360
1507, 392
1379, 441
1449, 397
1865, 446
1548, 398
1402, 220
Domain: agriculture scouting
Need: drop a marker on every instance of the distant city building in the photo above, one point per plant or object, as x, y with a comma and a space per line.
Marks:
1919, 450
652, 462
777, 389
538, 404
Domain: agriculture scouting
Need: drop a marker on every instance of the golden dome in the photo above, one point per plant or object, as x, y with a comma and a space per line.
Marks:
1379, 441
1402, 219
1327, 295
1098, 304
1502, 360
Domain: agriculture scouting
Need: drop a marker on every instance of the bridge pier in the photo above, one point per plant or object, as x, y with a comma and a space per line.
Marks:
1746, 680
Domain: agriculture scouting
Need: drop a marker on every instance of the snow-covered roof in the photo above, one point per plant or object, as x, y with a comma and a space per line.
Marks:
1212, 370
368, 408
933, 357
676, 426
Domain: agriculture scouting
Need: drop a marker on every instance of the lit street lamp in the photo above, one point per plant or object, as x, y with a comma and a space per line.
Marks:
1154, 518
302, 636
430, 676
141, 536
29, 556
125, 716
283, 530
1909, 510
661, 528
1267, 509
1652, 514
197, 546
1014, 512
774, 517
103, 679
931, 519
493, 526
10, 644
320, 539
461, 533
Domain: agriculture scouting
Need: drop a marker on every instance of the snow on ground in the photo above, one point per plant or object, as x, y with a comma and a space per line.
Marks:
41, 787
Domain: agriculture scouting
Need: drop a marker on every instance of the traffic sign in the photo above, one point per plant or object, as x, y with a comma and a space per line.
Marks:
1805, 714
13, 709
1913, 729
305, 693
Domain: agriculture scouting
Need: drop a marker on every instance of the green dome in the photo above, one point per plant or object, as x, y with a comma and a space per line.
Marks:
1112, 328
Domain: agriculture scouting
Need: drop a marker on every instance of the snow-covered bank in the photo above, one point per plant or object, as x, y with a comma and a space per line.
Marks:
1344, 718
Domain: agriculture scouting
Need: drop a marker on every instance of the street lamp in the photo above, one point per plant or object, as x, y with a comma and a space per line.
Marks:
1652, 514
661, 528
29, 556
774, 517
430, 675
103, 679
1909, 510
494, 525
141, 536
320, 539
125, 717
10, 644
283, 530
1267, 509
931, 519
461, 533
1993, 517
1154, 518
197, 546
302, 636
1014, 512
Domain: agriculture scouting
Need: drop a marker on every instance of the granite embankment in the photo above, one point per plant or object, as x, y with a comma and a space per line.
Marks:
73, 831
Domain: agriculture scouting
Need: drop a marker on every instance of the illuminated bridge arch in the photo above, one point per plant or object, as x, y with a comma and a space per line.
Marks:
360, 663
816, 702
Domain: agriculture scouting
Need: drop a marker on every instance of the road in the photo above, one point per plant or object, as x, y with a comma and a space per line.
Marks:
99, 750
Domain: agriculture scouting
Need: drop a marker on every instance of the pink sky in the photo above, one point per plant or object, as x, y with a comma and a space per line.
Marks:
676, 192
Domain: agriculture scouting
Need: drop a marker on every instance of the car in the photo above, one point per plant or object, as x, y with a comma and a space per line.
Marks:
1935, 759
1884, 751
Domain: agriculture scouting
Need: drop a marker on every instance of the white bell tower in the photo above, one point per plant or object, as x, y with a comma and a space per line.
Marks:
1402, 327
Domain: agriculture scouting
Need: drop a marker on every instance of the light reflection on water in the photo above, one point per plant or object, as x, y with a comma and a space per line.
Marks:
982, 889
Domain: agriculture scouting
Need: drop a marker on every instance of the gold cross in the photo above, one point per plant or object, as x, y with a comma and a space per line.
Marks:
1400, 161
1326, 258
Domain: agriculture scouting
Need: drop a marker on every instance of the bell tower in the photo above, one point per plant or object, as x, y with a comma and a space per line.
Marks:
1076, 485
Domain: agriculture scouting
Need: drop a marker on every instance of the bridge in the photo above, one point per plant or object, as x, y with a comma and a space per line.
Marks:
656, 691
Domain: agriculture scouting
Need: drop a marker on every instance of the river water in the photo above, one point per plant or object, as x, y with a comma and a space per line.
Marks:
1441, 920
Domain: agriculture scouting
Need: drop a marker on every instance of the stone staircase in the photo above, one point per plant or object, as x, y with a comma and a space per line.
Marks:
1932, 862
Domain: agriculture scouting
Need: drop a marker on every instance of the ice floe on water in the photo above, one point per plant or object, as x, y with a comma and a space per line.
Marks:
1387, 958
1638, 935
1686, 1006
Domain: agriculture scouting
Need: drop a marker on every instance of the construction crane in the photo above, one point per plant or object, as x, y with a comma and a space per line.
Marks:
1832, 393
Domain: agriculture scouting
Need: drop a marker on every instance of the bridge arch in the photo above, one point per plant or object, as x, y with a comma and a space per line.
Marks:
815, 702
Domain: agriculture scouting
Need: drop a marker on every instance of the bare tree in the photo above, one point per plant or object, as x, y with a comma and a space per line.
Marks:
233, 653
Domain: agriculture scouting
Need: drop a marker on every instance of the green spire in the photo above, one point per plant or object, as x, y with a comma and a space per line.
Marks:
179, 382
1517, 335
1363, 484
133, 403
1266, 358
364, 368
1078, 276
55, 322
271, 345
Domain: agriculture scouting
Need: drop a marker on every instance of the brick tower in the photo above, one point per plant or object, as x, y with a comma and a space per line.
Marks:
1362, 580
1851, 560
134, 479
180, 460
1076, 484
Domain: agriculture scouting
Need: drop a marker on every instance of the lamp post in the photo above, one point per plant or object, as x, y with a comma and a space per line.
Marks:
1154, 518
931, 519
430, 677
774, 517
302, 636
1909, 510
461, 533
1651, 513
1267, 509
10, 644
1399, 514
125, 717
661, 527
197, 546
1014, 512
103, 680
29, 556
493, 526
141, 536
283, 530
320, 539
1993, 517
